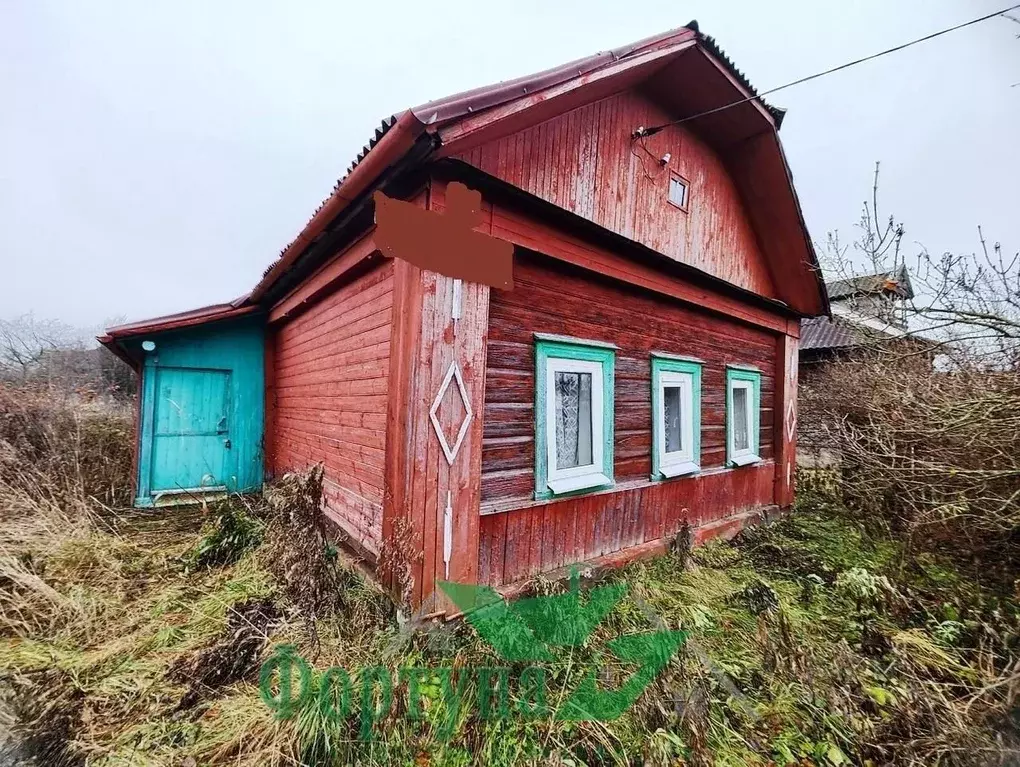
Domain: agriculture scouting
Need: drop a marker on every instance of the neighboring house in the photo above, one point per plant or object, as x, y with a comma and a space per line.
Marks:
638, 379
867, 312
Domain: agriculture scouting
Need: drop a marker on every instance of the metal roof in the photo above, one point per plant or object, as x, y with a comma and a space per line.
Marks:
468, 102
895, 281
828, 333
405, 129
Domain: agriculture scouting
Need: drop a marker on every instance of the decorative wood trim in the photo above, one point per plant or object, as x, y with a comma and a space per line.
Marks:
405, 333
738, 366
506, 505
785, 417
678, 357
556, 338
452, 374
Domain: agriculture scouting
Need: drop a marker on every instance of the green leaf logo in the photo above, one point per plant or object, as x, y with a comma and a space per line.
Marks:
525, 630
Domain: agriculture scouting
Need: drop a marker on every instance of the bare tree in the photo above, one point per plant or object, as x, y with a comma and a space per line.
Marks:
968, 303
25, 340
935, 447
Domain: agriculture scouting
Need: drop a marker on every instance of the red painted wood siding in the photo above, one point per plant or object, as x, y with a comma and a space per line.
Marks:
331, 372
585, 161
519, 544
553, 298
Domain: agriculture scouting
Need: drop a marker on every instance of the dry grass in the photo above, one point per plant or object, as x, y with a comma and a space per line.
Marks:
810, 644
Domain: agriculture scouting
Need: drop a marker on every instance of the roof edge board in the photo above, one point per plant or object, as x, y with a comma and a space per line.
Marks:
460, 129
392, 145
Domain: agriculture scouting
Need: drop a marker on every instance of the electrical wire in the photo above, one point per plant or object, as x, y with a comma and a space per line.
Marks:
655, 129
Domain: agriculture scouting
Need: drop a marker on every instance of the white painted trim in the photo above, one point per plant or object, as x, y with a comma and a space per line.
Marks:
748, 368
582, 482
746, 455
555, 337
685, 382
745, 459
448, 533
576, 477
678, 469
453, 373
458, 300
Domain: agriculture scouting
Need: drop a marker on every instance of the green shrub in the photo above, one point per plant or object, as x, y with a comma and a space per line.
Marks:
232, 531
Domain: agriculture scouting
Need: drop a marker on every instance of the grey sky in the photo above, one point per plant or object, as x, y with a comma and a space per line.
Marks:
157, 156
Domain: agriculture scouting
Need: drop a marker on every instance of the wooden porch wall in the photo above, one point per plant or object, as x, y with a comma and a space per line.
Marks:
329, 389
518, 537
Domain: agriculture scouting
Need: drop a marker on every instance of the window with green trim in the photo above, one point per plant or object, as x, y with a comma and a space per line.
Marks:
676, 416
743, 407
574, 381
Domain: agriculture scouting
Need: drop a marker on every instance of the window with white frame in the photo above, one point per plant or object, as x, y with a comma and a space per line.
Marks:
573, 415
676, 415
679, 191
743, 404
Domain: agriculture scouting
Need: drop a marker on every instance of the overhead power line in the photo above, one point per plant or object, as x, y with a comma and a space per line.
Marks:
655, 129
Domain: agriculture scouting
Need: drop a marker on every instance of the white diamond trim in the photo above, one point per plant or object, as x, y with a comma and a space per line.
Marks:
452, 374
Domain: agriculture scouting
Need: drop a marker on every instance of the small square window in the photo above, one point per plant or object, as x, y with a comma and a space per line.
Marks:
573, 415
676, 416
678, 191
743, 401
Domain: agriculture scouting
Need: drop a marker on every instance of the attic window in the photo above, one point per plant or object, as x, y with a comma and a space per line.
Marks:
678, 191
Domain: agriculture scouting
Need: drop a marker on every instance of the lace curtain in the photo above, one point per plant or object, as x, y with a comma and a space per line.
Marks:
573, 420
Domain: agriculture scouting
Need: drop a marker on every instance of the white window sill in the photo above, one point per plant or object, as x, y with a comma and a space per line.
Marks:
583, 482
745, 460
679, 469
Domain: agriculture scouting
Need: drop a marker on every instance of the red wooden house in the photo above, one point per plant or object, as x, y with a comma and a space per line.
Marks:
640, 376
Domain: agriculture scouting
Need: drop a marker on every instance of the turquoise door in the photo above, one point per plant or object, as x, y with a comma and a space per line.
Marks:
191, 446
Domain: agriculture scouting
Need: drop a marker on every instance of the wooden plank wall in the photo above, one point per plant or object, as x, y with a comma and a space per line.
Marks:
519, 537
330, 385
519, 544
585, 161
426, 475
787, 367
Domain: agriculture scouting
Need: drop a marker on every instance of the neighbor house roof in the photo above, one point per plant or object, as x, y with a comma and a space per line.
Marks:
829, 333
711, 84
895, 281
846, 327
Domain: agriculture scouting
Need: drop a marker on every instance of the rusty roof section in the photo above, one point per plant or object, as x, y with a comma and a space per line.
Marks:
896, 281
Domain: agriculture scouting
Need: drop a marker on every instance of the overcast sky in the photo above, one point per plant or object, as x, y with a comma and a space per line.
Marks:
157, 156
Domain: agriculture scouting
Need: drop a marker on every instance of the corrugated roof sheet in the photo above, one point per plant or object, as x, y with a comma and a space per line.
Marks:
382, 130
712, 47
467, 102
828, 333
